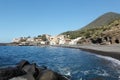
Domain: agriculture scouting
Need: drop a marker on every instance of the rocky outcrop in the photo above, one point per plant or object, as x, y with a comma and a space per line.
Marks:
26, 71
108, 36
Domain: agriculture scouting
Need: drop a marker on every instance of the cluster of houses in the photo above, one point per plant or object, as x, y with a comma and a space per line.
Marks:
49, 40
63, 40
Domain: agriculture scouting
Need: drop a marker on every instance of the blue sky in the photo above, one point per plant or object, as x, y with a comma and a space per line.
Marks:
33, 17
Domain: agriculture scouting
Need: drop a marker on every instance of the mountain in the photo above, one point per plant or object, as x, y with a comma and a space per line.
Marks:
96, 27
104, 20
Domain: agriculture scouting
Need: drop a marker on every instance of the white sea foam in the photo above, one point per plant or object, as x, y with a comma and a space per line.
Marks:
85, 72
100, 72
66, 71
114, 61
119, 77
81, 79
18, 78
103, 73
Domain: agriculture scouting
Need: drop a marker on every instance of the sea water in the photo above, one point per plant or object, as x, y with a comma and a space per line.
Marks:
75, 63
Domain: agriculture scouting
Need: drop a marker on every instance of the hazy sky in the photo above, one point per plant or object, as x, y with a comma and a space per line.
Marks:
33, 17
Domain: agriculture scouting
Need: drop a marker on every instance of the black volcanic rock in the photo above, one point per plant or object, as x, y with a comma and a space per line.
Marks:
29, 71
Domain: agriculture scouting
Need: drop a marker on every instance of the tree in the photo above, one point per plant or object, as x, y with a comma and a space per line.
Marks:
44, 37
39, 36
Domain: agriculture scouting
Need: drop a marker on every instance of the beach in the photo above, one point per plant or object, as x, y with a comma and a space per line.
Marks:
105, 50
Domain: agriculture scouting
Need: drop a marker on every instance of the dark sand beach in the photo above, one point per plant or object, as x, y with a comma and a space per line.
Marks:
105, 50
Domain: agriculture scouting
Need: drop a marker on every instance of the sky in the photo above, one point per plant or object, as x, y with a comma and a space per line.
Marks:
22, 18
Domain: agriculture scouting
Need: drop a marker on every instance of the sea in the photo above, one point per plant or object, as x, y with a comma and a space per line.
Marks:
75, 63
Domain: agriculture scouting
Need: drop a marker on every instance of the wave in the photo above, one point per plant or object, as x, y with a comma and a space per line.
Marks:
114, 61
18, 78
65, 71
99, 72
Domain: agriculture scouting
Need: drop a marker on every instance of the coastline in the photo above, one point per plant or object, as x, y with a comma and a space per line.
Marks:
105, 50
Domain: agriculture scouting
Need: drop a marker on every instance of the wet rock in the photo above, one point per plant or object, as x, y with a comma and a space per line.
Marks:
22, 63
28, 77
7, 73
28, 71
47, 75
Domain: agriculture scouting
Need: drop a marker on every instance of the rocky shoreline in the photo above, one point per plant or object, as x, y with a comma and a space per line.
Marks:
105, 50
26, 71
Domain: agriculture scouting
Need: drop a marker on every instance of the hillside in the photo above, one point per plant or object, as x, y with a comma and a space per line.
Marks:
97, 27
104, 20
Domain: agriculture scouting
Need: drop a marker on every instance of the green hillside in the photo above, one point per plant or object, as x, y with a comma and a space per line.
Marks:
95, 28
104, 20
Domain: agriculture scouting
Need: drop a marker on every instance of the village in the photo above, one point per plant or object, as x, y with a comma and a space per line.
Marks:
45, 39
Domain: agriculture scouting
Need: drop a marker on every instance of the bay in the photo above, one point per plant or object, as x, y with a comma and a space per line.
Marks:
78, 64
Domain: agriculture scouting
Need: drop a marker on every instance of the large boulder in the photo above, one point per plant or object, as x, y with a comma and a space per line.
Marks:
47, 75
26, 71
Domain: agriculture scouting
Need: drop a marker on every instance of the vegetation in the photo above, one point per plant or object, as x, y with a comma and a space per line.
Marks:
43, 37
97, 27
103, 20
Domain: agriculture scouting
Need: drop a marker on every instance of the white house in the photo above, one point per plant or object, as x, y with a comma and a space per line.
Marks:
43, 42
30, 39
61, 39
57, 40
74, 41
52, 40
16, 40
